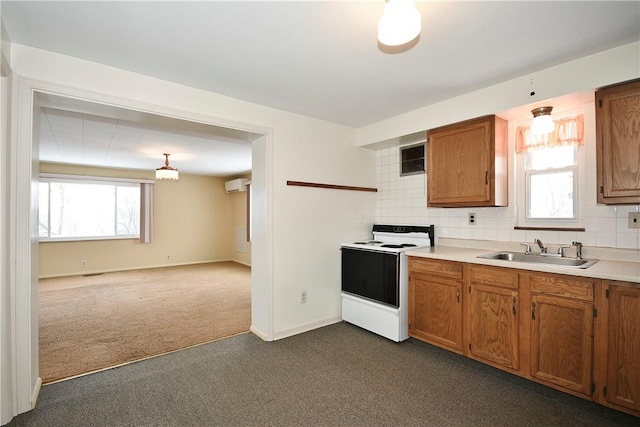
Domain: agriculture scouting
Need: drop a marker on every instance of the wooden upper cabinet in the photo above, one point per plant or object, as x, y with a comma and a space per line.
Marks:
618, 143
467, 164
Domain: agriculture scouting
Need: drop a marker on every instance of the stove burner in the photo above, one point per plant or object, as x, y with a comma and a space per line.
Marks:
399, 245
368, 242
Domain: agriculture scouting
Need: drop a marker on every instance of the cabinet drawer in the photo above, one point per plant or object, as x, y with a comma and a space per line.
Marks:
564, 286
440, 268
494, 276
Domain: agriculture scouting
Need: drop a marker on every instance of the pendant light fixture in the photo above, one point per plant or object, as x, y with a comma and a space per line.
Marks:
166, 171
400, 23
542, 123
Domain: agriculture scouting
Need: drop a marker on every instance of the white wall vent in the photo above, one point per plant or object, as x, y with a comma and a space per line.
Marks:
236, 185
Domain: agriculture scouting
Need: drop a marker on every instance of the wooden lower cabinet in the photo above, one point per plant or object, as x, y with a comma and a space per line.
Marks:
562, 342
493, 316
435, 302
562, 322
435, 311
575, 334
623, 346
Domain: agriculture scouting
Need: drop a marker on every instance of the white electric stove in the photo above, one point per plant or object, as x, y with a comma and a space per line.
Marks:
375, 278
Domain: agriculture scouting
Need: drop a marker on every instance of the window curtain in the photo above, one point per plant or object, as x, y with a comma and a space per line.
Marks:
568, 131
146, 213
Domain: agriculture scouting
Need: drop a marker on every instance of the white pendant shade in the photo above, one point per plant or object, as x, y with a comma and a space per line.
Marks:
166, 174
542, 123
400, 23
166, 171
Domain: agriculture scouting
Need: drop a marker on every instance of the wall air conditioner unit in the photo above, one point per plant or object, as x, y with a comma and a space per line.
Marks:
236, 185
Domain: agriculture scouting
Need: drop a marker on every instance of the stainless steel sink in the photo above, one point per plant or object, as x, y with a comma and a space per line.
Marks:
554, 260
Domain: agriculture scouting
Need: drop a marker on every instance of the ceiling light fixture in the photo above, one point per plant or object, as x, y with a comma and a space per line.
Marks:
400, 23
166, 171
542, 123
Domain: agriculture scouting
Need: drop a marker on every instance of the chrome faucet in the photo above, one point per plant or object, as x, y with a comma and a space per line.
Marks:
543, 249
527, 248
578, 246
562, 248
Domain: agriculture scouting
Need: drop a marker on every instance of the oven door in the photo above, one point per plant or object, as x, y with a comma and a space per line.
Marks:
371, 274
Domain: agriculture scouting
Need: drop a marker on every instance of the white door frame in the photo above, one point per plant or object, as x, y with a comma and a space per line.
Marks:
23, 245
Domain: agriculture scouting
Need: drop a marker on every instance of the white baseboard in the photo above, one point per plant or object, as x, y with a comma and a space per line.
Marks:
306, 328
36, 392
258, 333
145, 267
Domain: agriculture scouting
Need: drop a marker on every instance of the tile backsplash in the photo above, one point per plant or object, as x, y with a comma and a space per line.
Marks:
403, 200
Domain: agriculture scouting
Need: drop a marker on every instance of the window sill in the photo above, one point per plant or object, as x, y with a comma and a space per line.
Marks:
87, 239
549, 228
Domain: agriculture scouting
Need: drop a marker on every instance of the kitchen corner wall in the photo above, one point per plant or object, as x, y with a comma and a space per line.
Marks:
403, 200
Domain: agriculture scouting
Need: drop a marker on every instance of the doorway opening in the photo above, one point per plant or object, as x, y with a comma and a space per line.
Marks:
100, 115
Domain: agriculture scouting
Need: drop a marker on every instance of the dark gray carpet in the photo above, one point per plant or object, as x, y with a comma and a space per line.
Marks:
339, 375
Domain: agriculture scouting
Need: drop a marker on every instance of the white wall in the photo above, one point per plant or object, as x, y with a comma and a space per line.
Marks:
303, 149
304, 226
7, 391
584, 74
403, 200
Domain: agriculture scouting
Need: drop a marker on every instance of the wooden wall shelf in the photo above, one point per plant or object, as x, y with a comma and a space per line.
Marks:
331, 186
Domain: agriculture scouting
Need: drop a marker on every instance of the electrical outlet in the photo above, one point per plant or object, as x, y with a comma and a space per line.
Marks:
83, 263
472, 219
634, 220
303, 297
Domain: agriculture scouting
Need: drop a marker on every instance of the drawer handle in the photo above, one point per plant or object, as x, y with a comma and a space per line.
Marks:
533, 311
458, 295
486, 178
513, 306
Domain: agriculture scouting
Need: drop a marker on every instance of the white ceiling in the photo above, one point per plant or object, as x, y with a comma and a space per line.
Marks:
85, 133
316, 58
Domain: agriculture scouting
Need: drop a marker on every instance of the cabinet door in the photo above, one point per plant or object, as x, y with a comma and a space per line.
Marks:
493, 324
618, 143
460, 159
435, 310
562, 342
623, 376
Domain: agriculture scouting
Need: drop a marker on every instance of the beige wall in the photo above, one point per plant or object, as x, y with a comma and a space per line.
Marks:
193, 222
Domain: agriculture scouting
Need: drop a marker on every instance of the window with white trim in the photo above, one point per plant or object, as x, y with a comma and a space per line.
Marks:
90, 208
550, 172
551, 184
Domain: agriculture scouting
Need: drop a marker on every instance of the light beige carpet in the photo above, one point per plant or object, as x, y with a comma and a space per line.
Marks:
89, 323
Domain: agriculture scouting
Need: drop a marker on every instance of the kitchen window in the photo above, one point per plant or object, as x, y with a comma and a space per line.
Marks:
92, 208
550, 167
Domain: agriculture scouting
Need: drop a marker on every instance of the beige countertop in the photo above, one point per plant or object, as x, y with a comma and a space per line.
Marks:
627, 270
